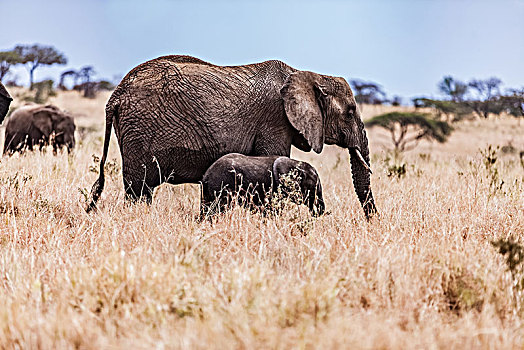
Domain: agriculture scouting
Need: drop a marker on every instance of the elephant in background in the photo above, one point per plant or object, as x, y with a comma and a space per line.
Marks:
40, 125
174, 116
253, 178
5, 101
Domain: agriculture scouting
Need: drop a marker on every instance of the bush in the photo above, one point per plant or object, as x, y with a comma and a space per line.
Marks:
42, 91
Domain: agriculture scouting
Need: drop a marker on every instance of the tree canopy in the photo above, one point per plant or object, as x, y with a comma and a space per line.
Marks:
367, 92
408, 128
486, 92
7, 60
68, 73
455, 89
37, 55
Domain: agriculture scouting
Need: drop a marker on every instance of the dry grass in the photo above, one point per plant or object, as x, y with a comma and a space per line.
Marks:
423, 275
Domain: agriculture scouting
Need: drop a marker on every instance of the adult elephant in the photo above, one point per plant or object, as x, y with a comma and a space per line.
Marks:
38, 125
5, 101
175, 115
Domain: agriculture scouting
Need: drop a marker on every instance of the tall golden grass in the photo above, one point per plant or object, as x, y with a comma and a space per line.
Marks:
422, 275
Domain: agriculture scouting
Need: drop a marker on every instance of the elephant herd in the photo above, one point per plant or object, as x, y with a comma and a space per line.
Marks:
35, 125
179, 119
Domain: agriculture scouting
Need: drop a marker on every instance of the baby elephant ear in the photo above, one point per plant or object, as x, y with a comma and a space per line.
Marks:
42, 120
301, 93
282, 166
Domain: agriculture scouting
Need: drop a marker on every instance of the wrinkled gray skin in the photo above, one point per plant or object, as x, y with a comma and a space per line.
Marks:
176, 115
252, 178
5, 101
33, 125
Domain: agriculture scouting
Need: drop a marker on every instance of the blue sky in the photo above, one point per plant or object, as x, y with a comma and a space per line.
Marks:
407, 46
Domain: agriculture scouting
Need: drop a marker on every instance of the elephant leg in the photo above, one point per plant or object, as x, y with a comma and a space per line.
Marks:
140, 186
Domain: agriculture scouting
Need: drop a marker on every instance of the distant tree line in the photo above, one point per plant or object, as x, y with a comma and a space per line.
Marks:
371, 93
35, 56
477, 97
82, 81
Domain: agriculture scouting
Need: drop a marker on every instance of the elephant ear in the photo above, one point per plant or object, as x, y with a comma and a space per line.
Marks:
283, 166
43, 121
301, 94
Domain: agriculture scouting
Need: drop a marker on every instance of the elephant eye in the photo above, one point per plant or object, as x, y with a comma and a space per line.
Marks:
351, 111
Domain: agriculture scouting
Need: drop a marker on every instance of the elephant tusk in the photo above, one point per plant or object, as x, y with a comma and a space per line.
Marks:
361, 159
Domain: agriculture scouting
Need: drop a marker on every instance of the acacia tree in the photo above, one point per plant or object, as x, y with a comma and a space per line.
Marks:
85, 73
487, 92
68, 73
408, 128
367, 92
38, 55
455, 89
7, 60
396, 101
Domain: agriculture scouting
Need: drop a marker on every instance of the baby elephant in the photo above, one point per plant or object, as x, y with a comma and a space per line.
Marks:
34, 125
252, 178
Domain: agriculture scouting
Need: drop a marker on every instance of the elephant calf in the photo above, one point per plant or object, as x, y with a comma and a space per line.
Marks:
251, 179
34, 125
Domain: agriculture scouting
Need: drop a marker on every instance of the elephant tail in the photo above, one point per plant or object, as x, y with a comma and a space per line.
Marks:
98, 186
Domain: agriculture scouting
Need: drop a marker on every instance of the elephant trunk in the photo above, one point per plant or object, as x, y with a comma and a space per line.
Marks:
321, 207
361, 179
356, 141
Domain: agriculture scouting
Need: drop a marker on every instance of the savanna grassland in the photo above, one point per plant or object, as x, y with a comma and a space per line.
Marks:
422, 275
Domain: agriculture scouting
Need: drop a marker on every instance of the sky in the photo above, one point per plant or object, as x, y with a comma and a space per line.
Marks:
406, 46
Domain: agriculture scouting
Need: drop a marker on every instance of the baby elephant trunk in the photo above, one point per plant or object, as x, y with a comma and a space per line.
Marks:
316, 200
319, 208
